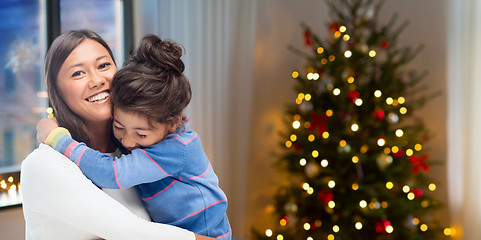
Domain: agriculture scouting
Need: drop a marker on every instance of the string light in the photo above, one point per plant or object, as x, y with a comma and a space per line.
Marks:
389, 185
363, 204
288, 144
335, 228
325, 135
423, 227
331, 204
377, 93
320, 50
307, 226
336, 91
342, 29
315, 153
280, 237
324, 163
399, 133
308, 96
409, 152
355, 159
418, 147
347, 54
311, 137
332, 58
389, 100
403, 110
355, 186
401, 100
358, 226
331, 184
293, 137
354, 127
269, 233
296, 124
358, 102
381, 142
346, 37
295, 74
350, 79
432, 187
302, 162
372, 53
406, 189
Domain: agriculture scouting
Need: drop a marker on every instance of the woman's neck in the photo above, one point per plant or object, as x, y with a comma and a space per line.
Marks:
100, 136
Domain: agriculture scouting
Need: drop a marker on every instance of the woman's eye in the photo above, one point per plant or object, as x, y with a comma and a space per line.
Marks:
141, 135
77, 74
104, 65
117, 127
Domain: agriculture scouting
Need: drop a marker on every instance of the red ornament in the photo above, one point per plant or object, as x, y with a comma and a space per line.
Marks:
398, 154
417, 193
334, 27
384, 44
419, 163
378, 114
352, 96
307, 38
381, 226
318, 122
325, 196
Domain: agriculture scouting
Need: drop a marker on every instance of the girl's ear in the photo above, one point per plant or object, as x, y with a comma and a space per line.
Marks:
172, 127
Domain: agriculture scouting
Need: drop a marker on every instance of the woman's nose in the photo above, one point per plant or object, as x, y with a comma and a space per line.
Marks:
96, 80
128, 143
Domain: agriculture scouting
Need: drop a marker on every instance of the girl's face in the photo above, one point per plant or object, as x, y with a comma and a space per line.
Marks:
84, 81
133, 130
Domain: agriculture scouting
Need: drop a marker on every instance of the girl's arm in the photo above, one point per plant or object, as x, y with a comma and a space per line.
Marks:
119, 172
53, 186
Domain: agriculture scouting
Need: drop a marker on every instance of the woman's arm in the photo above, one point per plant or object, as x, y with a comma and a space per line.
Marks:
54, 186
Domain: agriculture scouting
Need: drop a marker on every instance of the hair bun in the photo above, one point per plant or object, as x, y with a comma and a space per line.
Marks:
156, 53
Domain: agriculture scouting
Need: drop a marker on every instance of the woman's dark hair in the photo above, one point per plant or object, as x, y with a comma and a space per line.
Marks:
60, 49
152, 83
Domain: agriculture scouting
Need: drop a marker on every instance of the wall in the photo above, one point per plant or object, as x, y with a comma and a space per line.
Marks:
277, 27
12, 224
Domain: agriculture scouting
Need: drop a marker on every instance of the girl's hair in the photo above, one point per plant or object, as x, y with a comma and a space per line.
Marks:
60, 49
152, 83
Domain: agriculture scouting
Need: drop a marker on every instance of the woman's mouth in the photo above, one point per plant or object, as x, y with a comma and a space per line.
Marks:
99, 98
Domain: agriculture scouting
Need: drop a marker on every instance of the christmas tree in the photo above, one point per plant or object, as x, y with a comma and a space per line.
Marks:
352, 147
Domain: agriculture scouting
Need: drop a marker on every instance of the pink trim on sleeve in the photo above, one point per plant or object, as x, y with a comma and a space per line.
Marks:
69, 148
201, 174
193, 214
161, 191
166, 174
223, 235
116, 177
188, 141
80, 157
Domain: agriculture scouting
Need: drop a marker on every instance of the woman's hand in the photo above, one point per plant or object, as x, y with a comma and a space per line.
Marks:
45, 127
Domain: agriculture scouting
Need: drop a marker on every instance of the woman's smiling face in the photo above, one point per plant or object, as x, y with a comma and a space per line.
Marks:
84, 81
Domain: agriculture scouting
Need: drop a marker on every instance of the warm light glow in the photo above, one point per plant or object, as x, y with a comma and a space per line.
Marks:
389, 229
296, 124
330, 237
297, 117
377, 93
288, 144
406, 189
403, 110
315, 153
310, 191
310, 238
293, 137
354, 127
363, 204
347, 54
358, 226
332, 58
355, 159
448, 231
325, 135
305, 186
10, 179
381, 142
310, 76
307, 226
401, 100
418, 147
331, 204
336, 91
423, 227
399, 133
355, 186
409, 152
387, 150
346, 37
389, 185
415, 221
311, 137
395, 149
350, 79
320, 50
384, 204
300, 96
269, 233
372, 53
358, 102
295, 74
331, 184
432, 187
329, 112
335, 228
342, 29
337, 34
364, 148
389, 100
283, 222
302, 162
342, 143
323, 61
308, 97
280, 237
298, 101
324, 163
411, 196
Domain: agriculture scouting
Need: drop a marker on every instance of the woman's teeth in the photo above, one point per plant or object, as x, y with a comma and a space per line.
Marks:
98, 97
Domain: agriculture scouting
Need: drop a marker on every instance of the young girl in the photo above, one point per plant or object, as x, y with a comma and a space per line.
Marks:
166, 162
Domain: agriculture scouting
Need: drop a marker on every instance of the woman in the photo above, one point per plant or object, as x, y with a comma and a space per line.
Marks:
59, 201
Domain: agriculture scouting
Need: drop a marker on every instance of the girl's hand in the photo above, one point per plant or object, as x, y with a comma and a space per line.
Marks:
45, 127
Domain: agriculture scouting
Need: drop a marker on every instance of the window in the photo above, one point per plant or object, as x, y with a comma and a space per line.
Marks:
23, 44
